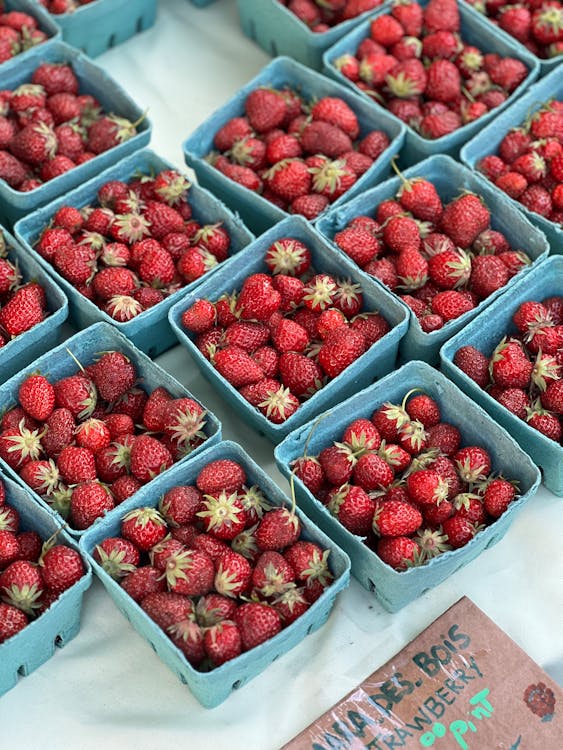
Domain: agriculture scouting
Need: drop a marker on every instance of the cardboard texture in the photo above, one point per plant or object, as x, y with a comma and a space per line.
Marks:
450, 688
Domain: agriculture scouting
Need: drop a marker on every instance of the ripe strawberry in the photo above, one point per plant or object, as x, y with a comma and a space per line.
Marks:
222, 642
473, 463
145, 527
117, 556
459, 530
265, 109
77, 394
396, 518
278, 528
89, 500
12, 620
464, 219
372, 472
443, 81
61, 567
167, 609
42, 476
237, 366
21, 312
10, 549
399, 552
353, 507
451, 304
109, 131
21, 585
37, 396
76, 465
342, 347
149, 457
190, 572
143, 581
257, 623
488, 274
509, 365
258, 299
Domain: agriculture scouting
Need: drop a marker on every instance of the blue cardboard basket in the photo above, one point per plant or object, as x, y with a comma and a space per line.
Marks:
26, 347
392, 588
58, 363
485, 333
212, 688
257, 212
202, 3
93, 80
376, 362
450, 178
487, 142
98, 26
37, 642
150, 330
44, 21
279, 32
474, 30
546, 64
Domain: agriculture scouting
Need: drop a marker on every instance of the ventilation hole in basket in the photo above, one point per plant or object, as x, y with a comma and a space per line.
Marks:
111, 41
59, 641
182, 678
310, 629
425, 591
140, 25
491, 541
21, 671
274, 48
371, 585
152, 646
237, 684
251, 30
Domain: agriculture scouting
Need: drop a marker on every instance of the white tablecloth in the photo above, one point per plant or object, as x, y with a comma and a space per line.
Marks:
107, 688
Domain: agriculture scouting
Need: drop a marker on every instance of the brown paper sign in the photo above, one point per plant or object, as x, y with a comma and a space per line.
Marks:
462, 684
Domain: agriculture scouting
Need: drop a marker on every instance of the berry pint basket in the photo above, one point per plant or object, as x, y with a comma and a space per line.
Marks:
474, 30
45, 23
449, 177
279, 32
95, 81
85, 346
546, 64
37, 642
29, 345
392, 588
214, 687
484, 334
376, 362
257, 212
150, 330
114, 22
487, 142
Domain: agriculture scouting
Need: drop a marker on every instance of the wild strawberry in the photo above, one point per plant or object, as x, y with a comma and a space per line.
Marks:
552, 397
427, 486
386, 30
10, 549
407, 79
473, 463
423, 408
37, 396
509, 365
61, 567
265, 109
399, 552
337, 112
167, 609
342, 347
12, 620
372, 472
458, 530
42, 476
189, 572
222, 642
109, 131
353, 507
117, 556
396, 518
278, 528
21, 312
145, 527
149, 457
257, 623
143, 581
89, 500
9, 519
21, 585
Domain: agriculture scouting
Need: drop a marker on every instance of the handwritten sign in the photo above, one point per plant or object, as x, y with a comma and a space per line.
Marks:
462, 684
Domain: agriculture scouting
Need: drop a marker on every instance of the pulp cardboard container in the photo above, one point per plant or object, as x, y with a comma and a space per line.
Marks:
85, 346
202, 3
474, 30
450, 178
485, 333
257, 212
44, 21
376, 362
36, 643
546, 64
212, 688
93, 80
488, 140
392, 588
150, 330
26, 347
279, 32
100, 25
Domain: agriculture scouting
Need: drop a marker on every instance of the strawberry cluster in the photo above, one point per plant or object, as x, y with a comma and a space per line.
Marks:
524, 372
19, 32
59, 7
88, 441
402, 482
537, 24
286, 333
217, 566
299, 155
528, 165
322, 15
416, 64
22, 304
441, 259
48, 127
33, 573
133, 246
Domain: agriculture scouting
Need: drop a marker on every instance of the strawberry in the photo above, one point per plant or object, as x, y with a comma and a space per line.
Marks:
451, 304
77, 394
372, 472
12, 620
145, 527
473, 463
42, 476
89, 500
399, 552
265, 109
337, 462
178, 505
21, 312
167, 609
189, 572
76, 465
340, 349
278, 528
353, 507
396, 518
109, 131
509, 366
37, 396
143, 581
10, 548
427, 486
488, 274
473, 363
21, 585
444, 436
117, 556
149, 457
459, 530
257, 623
464, 219
20, 445
93, 434
237, 366
423, 408
222, 642
222, 515
61, 567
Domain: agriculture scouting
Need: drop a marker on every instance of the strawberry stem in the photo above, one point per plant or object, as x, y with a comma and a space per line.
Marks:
75, 359
305, 447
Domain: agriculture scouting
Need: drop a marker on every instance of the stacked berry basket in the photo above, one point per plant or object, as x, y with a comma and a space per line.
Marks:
217, 307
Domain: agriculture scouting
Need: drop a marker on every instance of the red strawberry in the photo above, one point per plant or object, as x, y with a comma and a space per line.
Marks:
143, 581
117, 556
464, 219
222, 642
167, 609
372, 472
190, 572
399, 552
145, 527
257, 623
149, 457
353, 507
21, 312
473, 463
396, 518
37, 396
233, 574
89, 500
21, 585
278, 528
266, 109
61, 567
12, 620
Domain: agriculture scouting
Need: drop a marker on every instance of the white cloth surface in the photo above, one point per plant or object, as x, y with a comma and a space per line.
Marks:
107, 688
